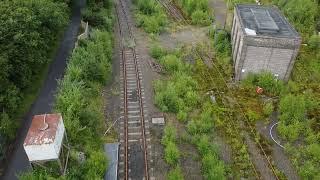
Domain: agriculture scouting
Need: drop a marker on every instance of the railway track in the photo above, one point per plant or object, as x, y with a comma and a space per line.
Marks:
134, 158
173, 11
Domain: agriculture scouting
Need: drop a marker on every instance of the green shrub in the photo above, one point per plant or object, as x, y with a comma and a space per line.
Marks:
175, 174
253, 116
314, 42
292, 108
309, 171
268, 109
313, 150
302, 13
171, 153
99, 14
213, 168
175, 96
95, 166
222, 43
267, 81
157, 51
29, 33
292, 116
197, 10
200, 17
7, 128
291, 131
169, 135
182, 115
79, 101
150, 16
172, 63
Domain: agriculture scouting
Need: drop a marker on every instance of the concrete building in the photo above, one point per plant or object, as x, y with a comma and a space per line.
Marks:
263, 40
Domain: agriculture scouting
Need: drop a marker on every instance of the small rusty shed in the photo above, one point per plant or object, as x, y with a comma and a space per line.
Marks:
45, 137
263, 40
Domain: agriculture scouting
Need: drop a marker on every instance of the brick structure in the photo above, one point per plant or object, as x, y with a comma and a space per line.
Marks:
262, 39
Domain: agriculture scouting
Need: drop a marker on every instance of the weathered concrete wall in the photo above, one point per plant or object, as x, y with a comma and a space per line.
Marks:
259, 53
274, 60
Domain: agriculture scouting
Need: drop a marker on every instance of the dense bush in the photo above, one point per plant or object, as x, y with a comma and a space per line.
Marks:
200, 17
302, 13
212, 167
96, 15
268, 108
267, 81
171, 154
171, 151
170, 135
222, 43
177, 95
150, 16
203, 123
175, 174
157, 51
79, 101
292, 115
197, 10
28, 34
314, 42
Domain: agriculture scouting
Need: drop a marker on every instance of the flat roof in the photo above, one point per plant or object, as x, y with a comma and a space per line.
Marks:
265, 21
36, 136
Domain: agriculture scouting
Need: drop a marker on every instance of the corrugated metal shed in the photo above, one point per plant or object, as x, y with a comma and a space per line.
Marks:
112, 152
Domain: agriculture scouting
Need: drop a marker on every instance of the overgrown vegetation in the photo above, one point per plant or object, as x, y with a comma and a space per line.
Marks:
79, 100
150, 16
179, 95
171, 152
299, 109
197, 10
200, 128
97, 16
302, 13
28, 34
298, 102
224, 119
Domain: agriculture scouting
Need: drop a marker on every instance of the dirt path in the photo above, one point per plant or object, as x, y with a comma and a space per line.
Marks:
220, 11
18, 162
278, 155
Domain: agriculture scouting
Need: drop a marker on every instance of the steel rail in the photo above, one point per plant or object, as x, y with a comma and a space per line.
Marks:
142, 120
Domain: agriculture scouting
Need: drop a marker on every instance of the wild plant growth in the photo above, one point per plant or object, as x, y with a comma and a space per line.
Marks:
79, 101
197, 10
150, 16
171, 152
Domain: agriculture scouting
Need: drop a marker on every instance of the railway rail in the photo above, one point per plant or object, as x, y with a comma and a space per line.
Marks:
173, 11
134, 149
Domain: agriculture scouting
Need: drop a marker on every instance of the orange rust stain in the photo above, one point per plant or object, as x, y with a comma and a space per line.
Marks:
37, 137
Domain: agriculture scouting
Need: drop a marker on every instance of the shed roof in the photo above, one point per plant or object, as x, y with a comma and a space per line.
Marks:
265, 20
36, 136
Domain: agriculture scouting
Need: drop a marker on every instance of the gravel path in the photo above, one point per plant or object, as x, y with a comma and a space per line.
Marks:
220, 11
18, 162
